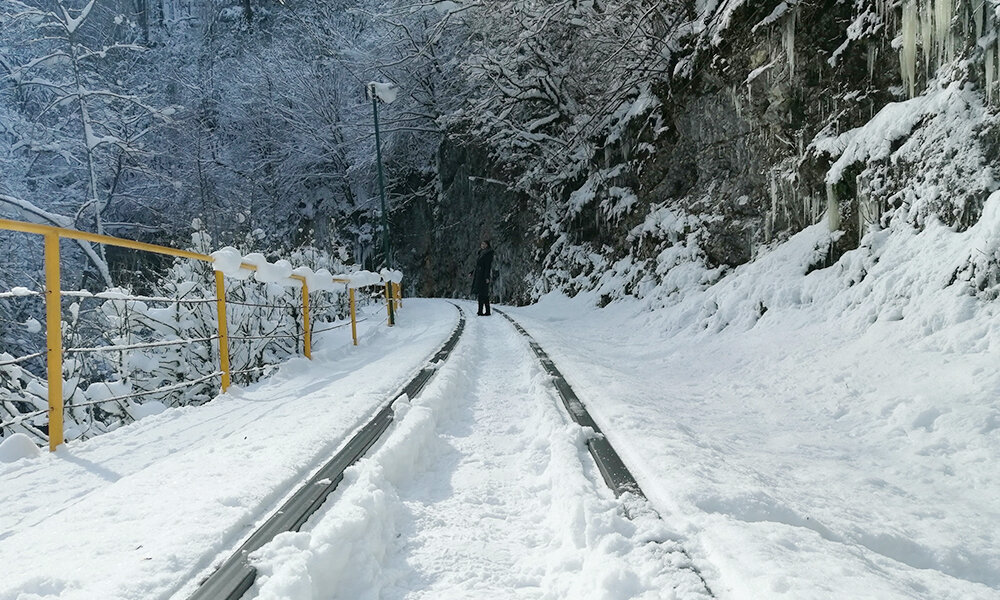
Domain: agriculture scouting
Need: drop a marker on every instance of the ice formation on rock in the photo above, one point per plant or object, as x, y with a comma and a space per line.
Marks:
788, 41
908, 50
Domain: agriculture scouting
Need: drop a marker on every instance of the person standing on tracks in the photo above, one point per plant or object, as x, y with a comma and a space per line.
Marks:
481, 278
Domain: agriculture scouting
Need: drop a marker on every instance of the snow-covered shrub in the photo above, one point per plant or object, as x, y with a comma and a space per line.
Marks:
23, 400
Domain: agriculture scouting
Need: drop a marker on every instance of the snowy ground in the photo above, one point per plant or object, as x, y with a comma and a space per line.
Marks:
798, 466
805, 436
843, 443
140, 512
483, 489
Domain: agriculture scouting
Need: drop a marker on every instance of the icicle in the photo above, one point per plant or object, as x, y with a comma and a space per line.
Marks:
927, 34
832, 207
990, 74
908, 51
990, 59
944, 11
990, 71
978, 11
866, 208
788, 41
884, 9
771, 214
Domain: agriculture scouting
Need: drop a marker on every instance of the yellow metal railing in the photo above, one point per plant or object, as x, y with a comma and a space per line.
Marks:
53, 308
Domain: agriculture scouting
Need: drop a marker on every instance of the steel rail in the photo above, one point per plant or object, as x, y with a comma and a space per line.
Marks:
23, 417
30, 294
85, 295
236, 575
613, 469
53, 306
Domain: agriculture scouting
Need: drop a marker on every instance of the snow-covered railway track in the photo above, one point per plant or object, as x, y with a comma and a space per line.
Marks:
613, 469
484, 488
236, 575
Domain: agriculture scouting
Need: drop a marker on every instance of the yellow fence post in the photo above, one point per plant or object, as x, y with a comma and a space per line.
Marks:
220, 305
53, 339
354, 319
388, 303
307, 341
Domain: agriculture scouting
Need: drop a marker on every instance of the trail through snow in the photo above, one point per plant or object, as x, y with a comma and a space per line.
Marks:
483, 488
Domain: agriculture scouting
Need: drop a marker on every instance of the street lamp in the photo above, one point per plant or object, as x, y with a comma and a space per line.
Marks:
386, 92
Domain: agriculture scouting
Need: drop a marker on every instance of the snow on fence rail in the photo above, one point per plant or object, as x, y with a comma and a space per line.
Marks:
225, 263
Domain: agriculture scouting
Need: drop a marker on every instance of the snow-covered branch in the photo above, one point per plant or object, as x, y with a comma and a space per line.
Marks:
44, 217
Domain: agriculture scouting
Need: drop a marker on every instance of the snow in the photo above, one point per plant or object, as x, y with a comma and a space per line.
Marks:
146, 409
386, 92
103, 390
392, 275
317, 281
17, 447
446, 6
359, 279
758, 72
813, 433
483, 487
228, 261
874, 140
72, 23
779, 11
266, 272
145, 510
805, 433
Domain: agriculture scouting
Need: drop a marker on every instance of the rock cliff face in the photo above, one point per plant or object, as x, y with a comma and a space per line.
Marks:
438, 235
773, 116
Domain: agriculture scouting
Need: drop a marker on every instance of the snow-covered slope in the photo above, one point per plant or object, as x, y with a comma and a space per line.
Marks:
820, 433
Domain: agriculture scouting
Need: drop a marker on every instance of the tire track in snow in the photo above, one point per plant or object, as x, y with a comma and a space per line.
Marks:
484, 488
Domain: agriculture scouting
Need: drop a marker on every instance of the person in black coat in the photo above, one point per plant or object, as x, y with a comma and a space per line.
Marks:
481, 278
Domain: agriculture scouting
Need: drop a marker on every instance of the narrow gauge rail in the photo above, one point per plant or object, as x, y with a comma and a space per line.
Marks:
613, 469
235, 576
